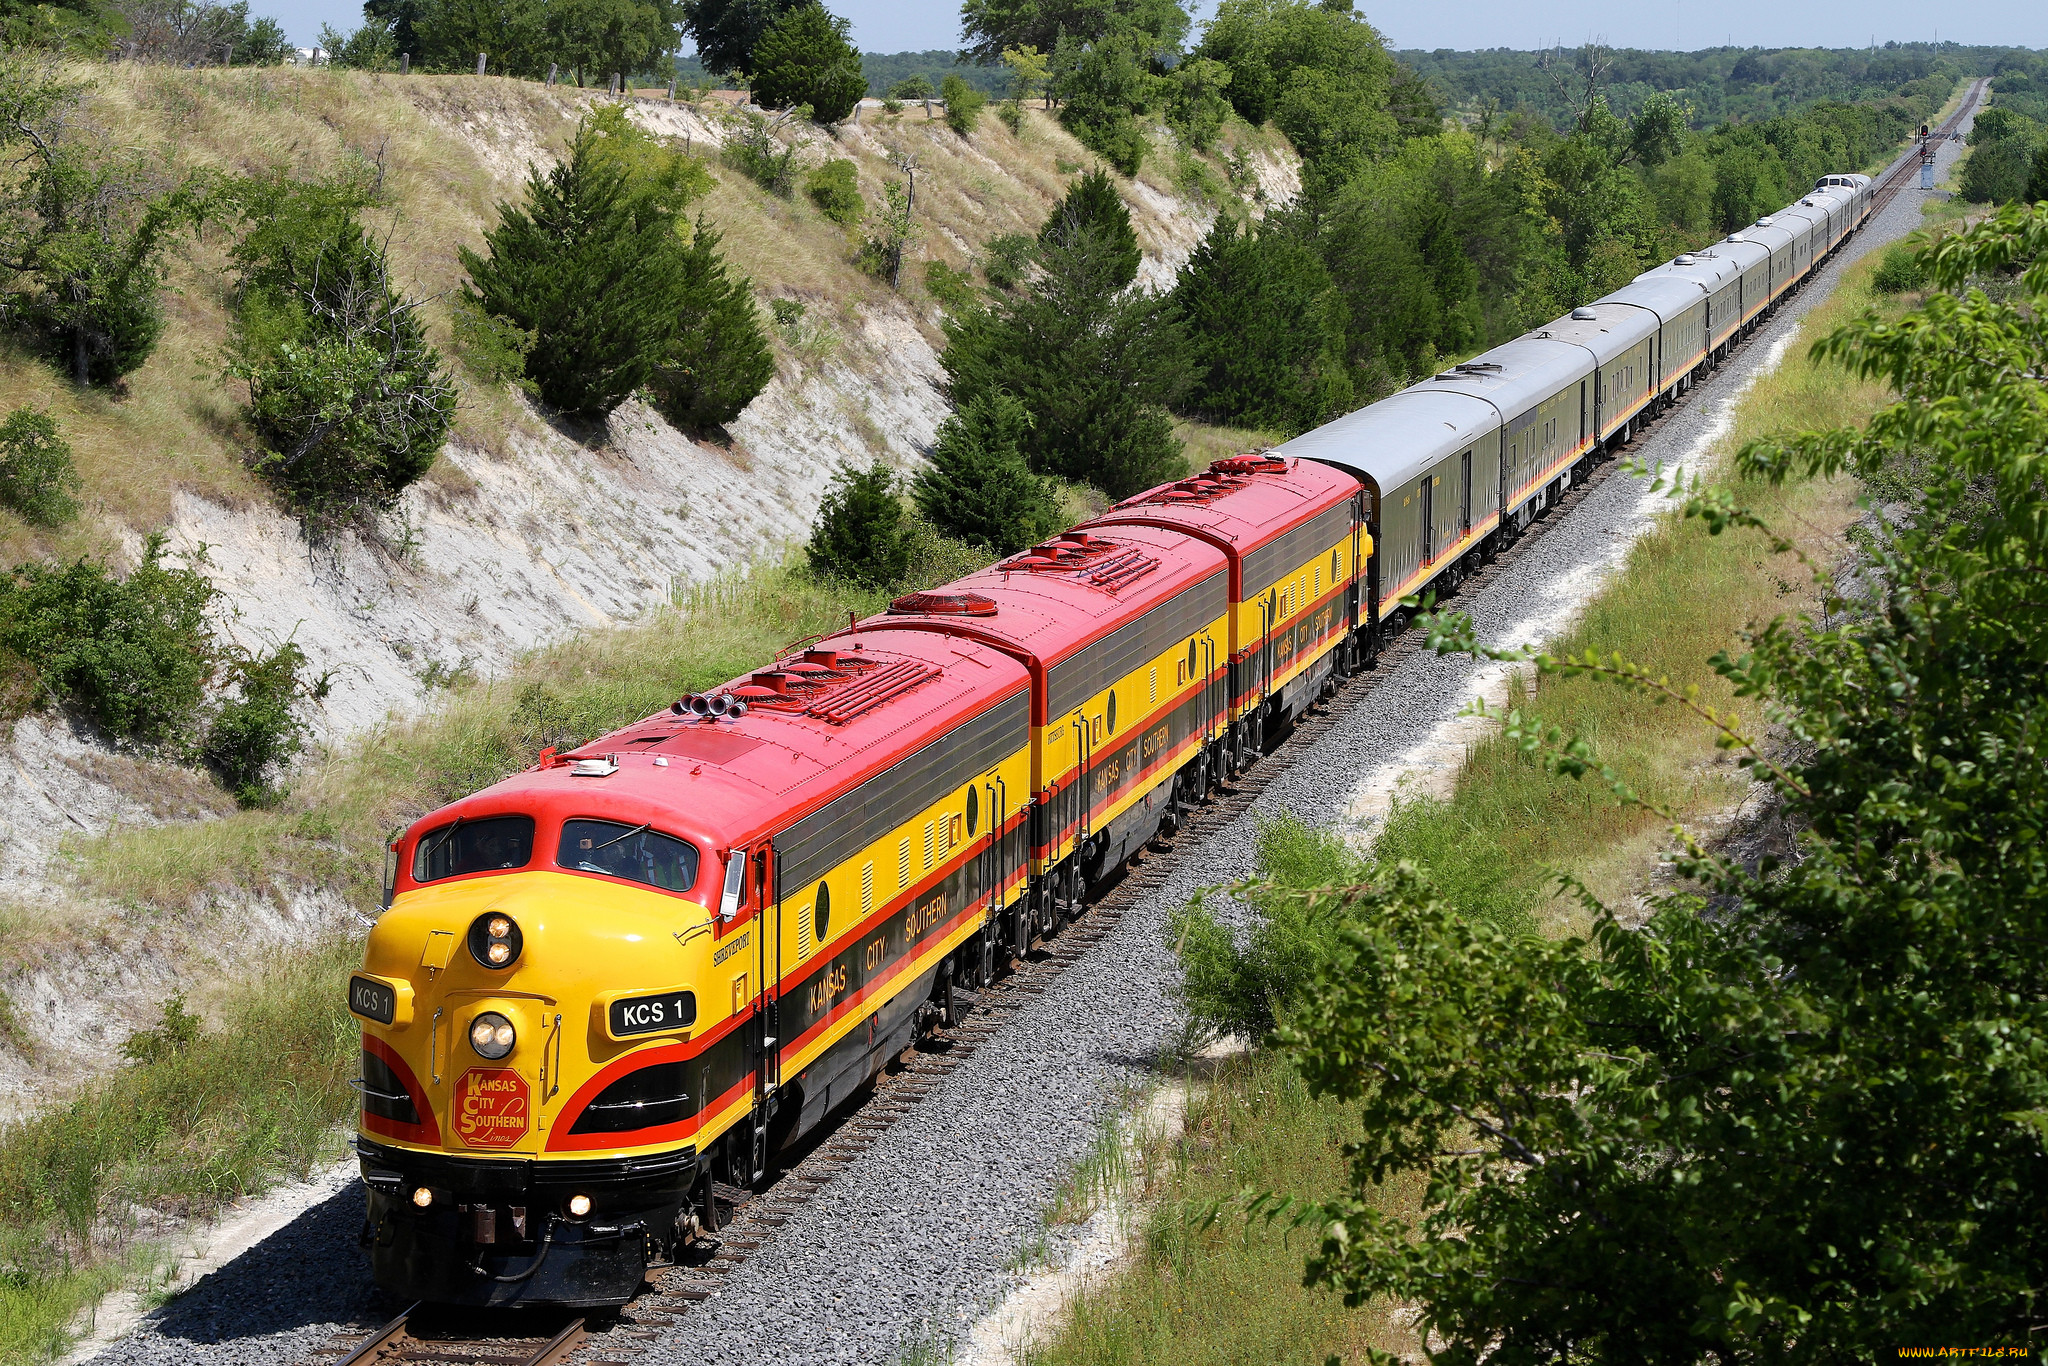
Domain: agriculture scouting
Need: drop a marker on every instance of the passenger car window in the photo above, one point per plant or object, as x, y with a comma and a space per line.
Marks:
632, 852
480, 846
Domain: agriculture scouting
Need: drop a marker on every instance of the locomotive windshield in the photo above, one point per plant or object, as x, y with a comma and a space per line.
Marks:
633, 852
484, 846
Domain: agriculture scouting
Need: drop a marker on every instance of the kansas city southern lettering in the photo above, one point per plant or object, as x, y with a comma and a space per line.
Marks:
491, 1107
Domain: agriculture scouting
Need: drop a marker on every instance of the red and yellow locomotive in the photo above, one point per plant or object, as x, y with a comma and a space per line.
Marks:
637, 970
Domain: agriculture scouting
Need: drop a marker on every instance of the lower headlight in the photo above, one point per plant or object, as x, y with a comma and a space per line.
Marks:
579, 1205
492, 1035
423, 1197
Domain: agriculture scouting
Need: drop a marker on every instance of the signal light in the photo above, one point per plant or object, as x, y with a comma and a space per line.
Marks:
579, 1205
423, 1197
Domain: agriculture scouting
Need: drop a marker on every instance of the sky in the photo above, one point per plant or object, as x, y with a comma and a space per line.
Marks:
915, 25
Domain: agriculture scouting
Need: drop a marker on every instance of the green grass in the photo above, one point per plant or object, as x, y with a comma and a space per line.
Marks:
1221, 1291
197, 1126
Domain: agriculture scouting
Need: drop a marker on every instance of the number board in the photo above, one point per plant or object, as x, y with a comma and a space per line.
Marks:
372, 1000
652, 1014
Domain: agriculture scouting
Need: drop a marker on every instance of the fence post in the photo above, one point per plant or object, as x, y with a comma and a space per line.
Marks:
671, 90
553, 68
405, 63
316, 58
480, 63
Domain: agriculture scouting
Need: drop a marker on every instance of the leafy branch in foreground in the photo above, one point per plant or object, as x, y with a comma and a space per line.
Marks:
1808, 1125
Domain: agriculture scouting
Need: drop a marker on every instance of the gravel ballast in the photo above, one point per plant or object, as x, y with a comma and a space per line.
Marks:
923, 1230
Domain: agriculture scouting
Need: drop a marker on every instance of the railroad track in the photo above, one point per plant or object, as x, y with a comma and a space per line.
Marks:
615, 1339
423, 1335
1901, 172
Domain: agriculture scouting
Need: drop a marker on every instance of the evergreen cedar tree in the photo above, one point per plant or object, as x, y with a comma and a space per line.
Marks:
859, 536
719, 357
1265, 331
587, 273
804, 58
1093, 360
1813, 1124
979, 487
1092, 204
601, 267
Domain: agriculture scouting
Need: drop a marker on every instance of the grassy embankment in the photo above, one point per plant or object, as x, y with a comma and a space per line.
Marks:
1226, 1293
448, 148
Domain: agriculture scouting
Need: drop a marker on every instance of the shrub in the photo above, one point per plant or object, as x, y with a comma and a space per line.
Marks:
954, 289
352, 403
1245, 987
912, 88
1012, 115
258, 728
132, 655
978, 488
890, 234
859, 535
718, 357
36, 476
174, 1033
834, 189
1008, 257
963, 104
804, 58
88, 226
755, 153
1899, 272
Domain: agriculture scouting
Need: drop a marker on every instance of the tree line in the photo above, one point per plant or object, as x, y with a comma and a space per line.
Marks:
1416, 239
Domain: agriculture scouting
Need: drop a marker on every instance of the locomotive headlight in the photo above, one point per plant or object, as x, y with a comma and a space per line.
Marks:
579, 1205
494, 940
491, 1035
423, 1197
